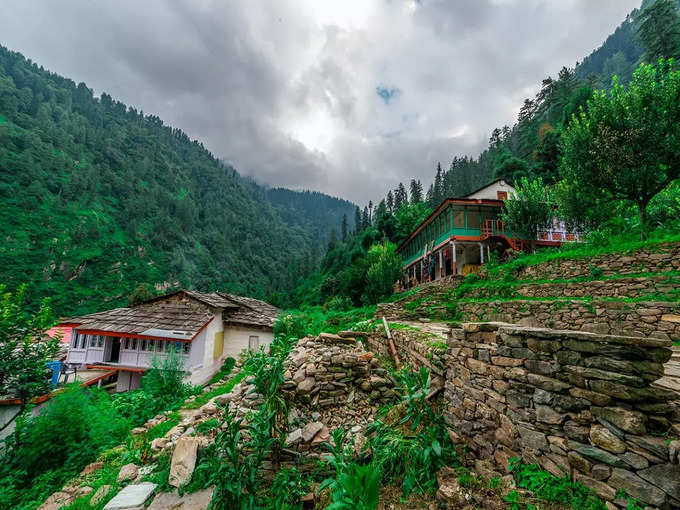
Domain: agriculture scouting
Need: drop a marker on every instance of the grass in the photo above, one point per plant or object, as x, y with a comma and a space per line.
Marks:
205, 397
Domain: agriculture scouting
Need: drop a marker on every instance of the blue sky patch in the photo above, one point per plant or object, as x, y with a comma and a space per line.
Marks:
387, 93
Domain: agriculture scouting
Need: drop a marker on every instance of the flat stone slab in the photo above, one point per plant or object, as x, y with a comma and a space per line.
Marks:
131, 496
198, 500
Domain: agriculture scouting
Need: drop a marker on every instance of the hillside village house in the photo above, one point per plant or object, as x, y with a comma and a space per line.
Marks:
204, 328
458, 237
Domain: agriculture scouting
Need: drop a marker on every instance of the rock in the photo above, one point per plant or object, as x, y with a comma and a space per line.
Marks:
209, 409
183, 461
674, 451
306, 386
636, 487
600, 471
222, 400
172, 501
664, 476
602, 489
655, 445
634, 460
128, 472
300, 374
294, 437
159, 444
450, 493
85, 490
633, 422
596, 455
100, 494
361, 445
532, 438
321, 437
91, 468
604, 438
310, 430
57, 500
546, 414
137, 431
131, 496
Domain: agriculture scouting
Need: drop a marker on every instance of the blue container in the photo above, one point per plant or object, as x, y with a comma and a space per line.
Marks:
55, 366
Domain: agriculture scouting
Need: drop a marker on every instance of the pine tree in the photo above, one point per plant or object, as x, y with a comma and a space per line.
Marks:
416, 192
365, 219
357, 220
370, 212
659, 30
344, 228
400, 197
390, 201
429, 197
438, 190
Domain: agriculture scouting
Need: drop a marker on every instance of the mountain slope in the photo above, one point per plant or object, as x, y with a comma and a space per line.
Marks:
96, 198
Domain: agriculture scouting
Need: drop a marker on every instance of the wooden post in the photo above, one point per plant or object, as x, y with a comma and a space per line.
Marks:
453, 257
441, 265
391, 343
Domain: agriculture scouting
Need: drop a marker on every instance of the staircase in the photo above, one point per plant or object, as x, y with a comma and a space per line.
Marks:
496, 228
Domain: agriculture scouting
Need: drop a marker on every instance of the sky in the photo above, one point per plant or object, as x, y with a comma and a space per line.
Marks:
348, 97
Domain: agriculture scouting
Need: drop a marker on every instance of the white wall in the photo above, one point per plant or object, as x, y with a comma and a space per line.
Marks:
491, 191
236, 339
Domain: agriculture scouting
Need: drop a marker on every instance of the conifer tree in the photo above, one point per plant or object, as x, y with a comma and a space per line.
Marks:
400, 197
344, 228
416, 192
357, 220
659, 30
365, 219
438, 189
390, 201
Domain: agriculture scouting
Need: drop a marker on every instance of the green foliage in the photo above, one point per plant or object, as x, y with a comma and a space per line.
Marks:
357, 488
624, 147
24, 348
287, 490
530, 210
384, 268
70, 431
224, 371
99, 200
659, 30
548, 487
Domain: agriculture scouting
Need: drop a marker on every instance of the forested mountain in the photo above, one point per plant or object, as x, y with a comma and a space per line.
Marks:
97, 198
531, 146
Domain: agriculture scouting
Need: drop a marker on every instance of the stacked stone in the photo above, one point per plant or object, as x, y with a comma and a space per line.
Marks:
613, 317
635, 287
664, 257
322, 371
574, 402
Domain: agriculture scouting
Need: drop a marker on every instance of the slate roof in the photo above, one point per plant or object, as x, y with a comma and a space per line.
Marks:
178, 315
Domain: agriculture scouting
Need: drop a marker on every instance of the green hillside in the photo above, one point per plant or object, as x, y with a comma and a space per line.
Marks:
97, 198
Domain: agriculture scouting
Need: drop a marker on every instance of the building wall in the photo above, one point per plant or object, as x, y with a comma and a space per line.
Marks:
236, 339
491, 191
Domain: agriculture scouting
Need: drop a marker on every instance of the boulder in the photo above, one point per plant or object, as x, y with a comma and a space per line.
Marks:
636, 487
183, 461
306, 386
310, 430
159, 444
91, 468
294, 437
127, 473
450, 492
604, 438
57, 500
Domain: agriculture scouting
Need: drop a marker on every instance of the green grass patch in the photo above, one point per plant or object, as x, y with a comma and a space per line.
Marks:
204, 397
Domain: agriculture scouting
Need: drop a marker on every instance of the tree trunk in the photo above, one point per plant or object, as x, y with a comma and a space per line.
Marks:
642, 214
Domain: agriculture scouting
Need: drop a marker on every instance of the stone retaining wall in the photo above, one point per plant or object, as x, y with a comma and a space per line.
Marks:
574, 401
665, 286
661, 257
637, 318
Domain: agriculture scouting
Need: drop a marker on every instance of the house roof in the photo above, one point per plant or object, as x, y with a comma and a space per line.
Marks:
486, 186
180, 315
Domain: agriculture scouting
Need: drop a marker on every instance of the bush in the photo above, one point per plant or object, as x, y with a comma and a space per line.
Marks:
45, 450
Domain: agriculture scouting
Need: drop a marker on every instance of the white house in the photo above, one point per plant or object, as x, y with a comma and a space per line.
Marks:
204, 328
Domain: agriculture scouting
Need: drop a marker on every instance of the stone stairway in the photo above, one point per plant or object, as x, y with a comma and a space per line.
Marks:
671, 378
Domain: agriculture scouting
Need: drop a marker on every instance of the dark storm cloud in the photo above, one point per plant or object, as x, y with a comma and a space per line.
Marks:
290, 91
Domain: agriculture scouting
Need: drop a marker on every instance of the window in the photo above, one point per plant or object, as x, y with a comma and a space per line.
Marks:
458, 219
142, 345
253, 342
185, 347
93, 340
74, 342
502, 195
133, 344
473, 219
100, 342
83, 341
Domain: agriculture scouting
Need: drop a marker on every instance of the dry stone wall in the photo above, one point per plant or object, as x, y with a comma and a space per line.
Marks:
636, 318
658, 258
665, 286
415, 349
574, 401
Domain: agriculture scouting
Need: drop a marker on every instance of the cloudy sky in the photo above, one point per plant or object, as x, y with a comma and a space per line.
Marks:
348, 97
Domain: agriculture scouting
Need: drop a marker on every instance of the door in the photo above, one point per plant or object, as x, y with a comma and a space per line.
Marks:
115, 350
